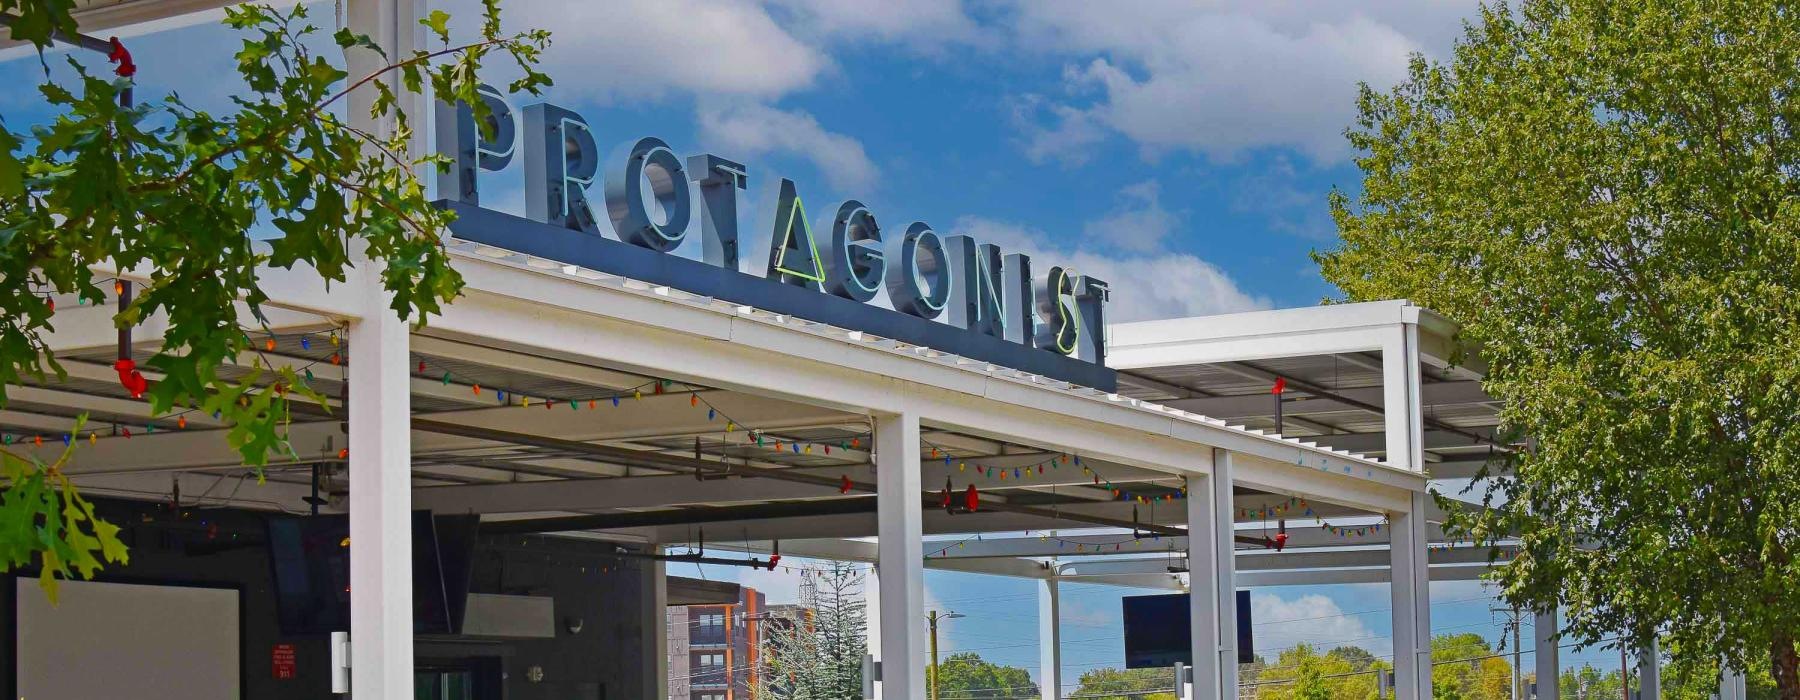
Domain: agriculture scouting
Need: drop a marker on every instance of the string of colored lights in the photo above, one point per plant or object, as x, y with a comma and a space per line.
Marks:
1280, 510
122, 429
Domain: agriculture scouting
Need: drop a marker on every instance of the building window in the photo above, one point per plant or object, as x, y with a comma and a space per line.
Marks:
710, 662
712, 623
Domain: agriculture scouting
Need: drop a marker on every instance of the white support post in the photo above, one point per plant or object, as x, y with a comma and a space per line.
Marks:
872, 604
381, 610
1731, 684
380, 417
1650, 671
902, 556
1549, 662
1411, 590
1221, 679
1400, 393
1049, 639
1203, 587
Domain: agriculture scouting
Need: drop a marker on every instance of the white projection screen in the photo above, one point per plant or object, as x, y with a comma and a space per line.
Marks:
106, 641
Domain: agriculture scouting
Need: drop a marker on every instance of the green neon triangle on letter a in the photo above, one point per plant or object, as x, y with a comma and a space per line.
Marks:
794, 261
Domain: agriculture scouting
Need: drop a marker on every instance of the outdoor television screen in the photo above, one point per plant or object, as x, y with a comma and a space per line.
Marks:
1158, 632
311, 565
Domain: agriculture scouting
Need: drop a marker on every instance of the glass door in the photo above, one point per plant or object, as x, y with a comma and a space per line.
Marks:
442, 684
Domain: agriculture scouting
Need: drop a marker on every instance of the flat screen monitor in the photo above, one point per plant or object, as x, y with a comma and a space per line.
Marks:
310, 557
1158, 631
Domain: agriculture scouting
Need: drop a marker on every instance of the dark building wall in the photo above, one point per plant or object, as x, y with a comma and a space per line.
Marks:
604, 660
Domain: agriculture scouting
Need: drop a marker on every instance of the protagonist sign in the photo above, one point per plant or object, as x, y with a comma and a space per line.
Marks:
950, 293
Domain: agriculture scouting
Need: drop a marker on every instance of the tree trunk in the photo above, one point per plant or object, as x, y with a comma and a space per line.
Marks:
1786, 664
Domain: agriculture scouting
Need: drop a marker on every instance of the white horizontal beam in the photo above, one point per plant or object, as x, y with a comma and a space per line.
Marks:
1260, 346
91, 327
1273, 561
1465, 469
849, 526
95, 403
1295, 321
535, 365
1263, 405
1321, 577
1162, 582
1376, 443
219, 489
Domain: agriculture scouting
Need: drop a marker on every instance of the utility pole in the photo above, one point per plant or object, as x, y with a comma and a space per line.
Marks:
933, 618
1513, 621
1624, 672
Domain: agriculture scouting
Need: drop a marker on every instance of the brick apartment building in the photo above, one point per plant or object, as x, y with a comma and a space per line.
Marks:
713, 649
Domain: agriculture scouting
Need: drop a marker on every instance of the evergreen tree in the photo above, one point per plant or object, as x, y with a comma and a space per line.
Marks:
819, 657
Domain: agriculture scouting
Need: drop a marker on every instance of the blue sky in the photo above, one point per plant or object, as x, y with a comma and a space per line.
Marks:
1181, 150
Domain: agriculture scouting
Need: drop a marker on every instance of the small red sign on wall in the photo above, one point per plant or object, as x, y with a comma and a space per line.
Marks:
282, 661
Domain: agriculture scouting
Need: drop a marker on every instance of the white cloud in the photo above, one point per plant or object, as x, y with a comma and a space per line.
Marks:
1274, 193
919, 23
1280, 623
1225, 78
749, 130
1055, 131
1147, 285
624, 49
1139, 223
762, 49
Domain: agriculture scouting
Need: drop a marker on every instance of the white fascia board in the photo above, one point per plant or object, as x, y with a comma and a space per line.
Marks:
1307, 319
1274, 344
1321, 577
80, 328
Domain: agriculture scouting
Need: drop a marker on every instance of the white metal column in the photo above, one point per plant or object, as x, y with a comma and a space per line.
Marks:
380, 418
1549, 662
1650, 671
1203, 588
1409, 538
1212, 599
1224, 615
902, 556
381, 610
1411, 590
1731, 684
1049, 639
872, 604
1400, 394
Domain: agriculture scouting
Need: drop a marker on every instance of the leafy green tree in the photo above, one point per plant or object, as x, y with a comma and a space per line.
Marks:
1465, 666
171, 191
1686, 677
1111, 683
1589, 683
1302, 673
1605, 195
1359, 658
965, 676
